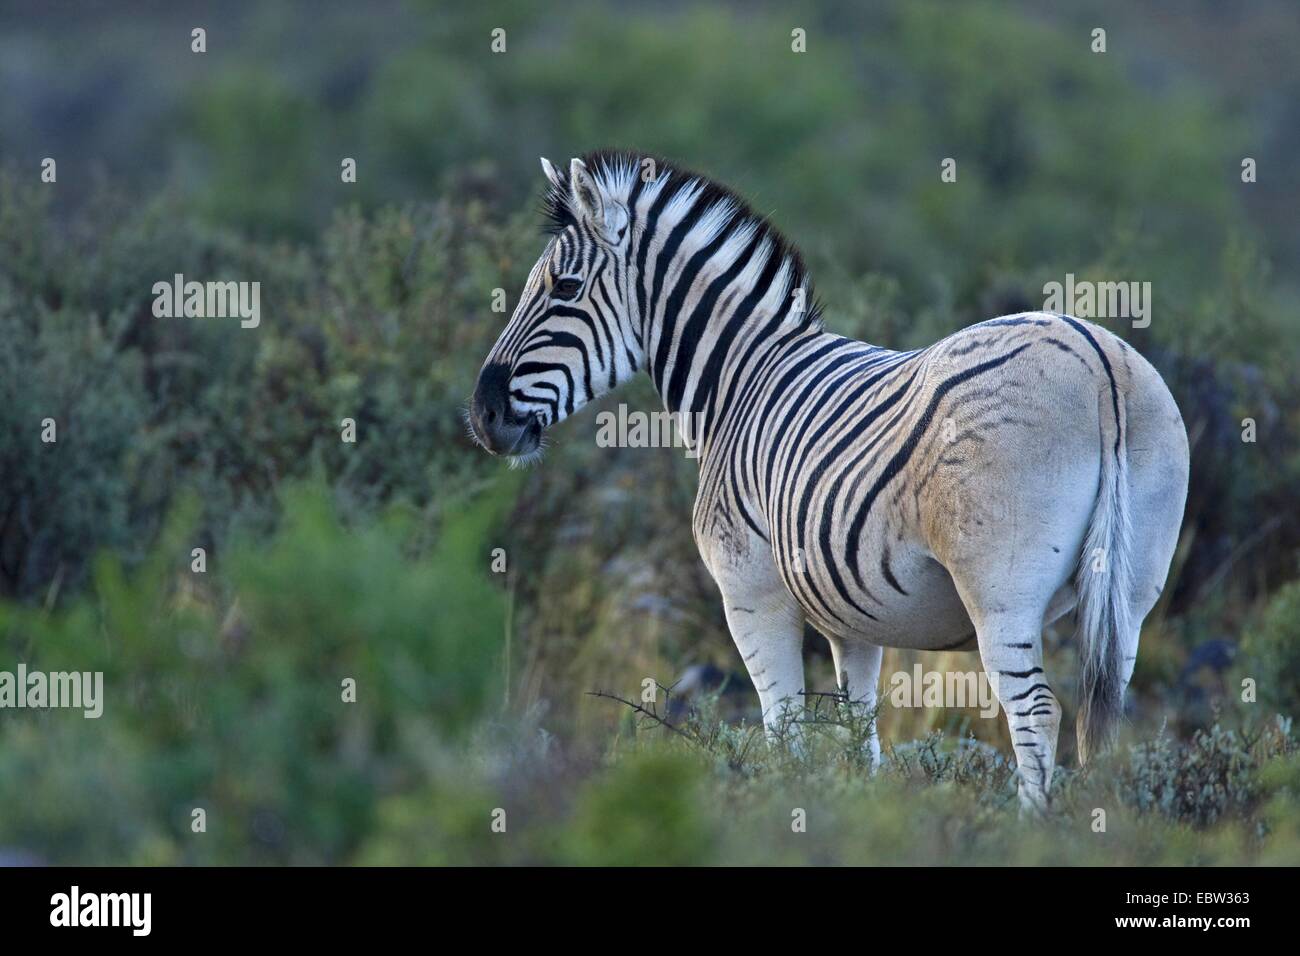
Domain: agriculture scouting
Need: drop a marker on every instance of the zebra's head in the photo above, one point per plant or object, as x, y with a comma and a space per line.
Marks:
571, 338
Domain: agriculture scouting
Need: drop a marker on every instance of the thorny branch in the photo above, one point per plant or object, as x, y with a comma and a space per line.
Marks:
644, 711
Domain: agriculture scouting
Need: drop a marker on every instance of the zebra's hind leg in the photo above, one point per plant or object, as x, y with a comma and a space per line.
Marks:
767, 627
857, 673
1011, 647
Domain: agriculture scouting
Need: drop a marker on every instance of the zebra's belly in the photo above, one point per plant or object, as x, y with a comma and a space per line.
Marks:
923, 613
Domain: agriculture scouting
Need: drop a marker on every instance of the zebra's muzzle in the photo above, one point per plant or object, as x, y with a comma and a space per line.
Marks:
493, 421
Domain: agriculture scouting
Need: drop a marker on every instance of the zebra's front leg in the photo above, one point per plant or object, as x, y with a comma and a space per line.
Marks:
767, 627
857, 673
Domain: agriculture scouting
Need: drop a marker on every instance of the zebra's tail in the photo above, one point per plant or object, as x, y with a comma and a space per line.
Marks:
1103, 582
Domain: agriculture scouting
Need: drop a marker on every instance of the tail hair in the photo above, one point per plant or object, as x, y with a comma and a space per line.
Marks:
1103, 581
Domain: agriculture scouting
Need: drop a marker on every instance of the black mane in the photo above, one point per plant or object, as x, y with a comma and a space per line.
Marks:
559, 214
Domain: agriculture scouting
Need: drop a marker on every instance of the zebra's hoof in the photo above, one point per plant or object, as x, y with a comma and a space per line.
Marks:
1034, 804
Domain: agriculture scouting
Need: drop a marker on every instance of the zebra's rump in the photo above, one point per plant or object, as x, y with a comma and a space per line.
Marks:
878, 475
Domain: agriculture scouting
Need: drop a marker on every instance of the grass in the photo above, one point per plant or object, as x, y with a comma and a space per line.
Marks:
710, 792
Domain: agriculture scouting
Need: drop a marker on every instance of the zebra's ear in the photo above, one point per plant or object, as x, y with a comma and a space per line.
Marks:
586, 194
552, 174
605, 215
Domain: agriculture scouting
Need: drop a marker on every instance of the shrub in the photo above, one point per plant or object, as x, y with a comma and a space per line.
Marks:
1271, 649
229, 694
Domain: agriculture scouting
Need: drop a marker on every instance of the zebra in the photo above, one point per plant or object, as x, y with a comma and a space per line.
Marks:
960, 496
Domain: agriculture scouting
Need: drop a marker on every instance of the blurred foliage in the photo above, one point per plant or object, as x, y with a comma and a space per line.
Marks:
1271, 650
237, 705
372, 325
331, 559
225, 692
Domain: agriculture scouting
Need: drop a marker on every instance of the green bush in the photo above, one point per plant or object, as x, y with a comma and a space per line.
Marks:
225, 691
1271, 651
376, 324
648, 808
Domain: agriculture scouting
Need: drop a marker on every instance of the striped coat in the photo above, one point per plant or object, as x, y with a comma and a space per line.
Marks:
959, 496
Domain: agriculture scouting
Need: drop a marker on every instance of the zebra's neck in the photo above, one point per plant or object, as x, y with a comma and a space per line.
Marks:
718, 292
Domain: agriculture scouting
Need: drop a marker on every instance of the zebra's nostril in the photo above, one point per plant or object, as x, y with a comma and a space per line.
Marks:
493, 421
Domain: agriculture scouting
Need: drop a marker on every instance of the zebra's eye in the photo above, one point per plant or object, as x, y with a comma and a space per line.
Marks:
566, 288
